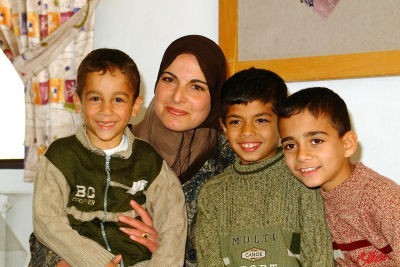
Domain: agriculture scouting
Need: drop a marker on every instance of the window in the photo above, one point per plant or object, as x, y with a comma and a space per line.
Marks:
12, 108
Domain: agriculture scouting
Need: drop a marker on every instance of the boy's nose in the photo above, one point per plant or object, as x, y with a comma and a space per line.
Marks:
248, 129
106, 108
303, 153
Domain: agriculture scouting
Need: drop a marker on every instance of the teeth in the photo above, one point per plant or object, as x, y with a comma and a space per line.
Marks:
308, 169
106, 123
249, 145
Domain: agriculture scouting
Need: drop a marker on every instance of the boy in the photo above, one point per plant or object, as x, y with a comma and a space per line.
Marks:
256, 213
362, 207
87, 180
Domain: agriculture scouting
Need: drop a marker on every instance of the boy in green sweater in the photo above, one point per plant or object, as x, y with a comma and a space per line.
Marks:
256, 213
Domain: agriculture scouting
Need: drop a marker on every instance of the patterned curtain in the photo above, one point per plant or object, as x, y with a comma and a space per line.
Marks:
46, 40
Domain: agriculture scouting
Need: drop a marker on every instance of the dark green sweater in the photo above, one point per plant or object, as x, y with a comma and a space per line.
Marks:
260, 214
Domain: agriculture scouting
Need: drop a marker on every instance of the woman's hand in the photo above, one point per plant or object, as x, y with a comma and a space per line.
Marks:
143, 231
114, 262
62, 263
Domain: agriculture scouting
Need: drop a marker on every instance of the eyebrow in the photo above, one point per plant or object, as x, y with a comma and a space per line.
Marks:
193, 80
308, 134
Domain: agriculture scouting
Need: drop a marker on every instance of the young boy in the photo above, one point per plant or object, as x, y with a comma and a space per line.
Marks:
87, 180
362, 207
256, 213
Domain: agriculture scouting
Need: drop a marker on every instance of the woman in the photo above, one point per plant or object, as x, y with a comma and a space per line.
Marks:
182, 124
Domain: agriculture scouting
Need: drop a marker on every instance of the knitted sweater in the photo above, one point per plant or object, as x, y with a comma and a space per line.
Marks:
79, 193
260, 215
363, 215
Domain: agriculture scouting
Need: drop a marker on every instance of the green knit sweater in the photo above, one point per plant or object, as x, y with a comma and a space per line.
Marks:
260, 215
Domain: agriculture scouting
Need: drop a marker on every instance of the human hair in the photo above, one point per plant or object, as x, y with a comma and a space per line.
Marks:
319, 101
107, 59
252, 84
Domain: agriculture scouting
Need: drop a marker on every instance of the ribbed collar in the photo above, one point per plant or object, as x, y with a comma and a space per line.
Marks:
252, 168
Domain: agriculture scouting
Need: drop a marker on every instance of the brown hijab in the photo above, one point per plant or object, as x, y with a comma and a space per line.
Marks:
186, 152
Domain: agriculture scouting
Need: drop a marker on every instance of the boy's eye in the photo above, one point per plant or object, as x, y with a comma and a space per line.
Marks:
288, 146
262, 120
94, 98
119, 100
233, 122
316, 141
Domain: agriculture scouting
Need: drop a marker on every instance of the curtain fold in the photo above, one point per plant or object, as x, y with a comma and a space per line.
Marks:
46, 40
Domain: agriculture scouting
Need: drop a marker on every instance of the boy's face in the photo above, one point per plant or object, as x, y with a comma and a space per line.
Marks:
252, 131
107, 105
314, 152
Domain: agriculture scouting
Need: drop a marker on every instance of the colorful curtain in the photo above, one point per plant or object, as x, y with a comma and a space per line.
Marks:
46, 40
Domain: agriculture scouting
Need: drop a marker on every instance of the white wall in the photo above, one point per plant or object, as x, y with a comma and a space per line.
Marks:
143, 29
147, 27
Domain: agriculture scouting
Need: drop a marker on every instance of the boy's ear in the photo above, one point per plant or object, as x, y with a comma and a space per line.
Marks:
223, 126
137, 105
77, 102
350, 141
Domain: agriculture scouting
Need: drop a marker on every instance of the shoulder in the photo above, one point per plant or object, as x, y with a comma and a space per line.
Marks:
377, 188
143, 149
62, 146
216, 183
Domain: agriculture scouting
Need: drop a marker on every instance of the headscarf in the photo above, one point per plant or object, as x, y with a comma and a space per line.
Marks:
186, 152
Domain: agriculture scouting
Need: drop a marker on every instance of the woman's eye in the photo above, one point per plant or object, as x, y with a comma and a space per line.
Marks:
167, 79
198, 87
316, 141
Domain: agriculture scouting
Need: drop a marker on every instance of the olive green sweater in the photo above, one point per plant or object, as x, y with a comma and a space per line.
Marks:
79, 193
258, 215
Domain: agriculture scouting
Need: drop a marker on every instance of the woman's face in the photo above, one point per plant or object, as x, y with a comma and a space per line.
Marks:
182, 98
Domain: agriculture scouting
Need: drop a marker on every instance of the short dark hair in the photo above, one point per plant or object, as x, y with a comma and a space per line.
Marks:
319, 101
252, 84
107, 59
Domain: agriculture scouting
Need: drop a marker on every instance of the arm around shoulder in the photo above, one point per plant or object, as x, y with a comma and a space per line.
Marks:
316, 242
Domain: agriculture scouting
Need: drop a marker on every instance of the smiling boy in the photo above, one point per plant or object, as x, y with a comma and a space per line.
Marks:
87, 180
362, 206
256, 213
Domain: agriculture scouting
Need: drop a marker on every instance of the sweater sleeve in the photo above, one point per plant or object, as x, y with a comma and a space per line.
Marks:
51, 225
384, 212
316, 244
165, 202
206, 235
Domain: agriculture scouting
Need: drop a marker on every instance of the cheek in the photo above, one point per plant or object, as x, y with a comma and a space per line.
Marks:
201, 107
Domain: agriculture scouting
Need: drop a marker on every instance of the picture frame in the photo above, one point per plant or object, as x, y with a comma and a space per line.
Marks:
384, 62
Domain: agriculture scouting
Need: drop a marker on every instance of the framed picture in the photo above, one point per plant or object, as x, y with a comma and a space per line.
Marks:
356, 39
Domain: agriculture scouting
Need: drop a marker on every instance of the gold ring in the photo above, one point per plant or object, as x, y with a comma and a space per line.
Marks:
145, 235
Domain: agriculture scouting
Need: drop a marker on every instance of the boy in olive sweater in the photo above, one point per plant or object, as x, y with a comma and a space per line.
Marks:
256, 213
85, 181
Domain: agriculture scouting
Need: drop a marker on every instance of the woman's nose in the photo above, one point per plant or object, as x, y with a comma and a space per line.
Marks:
179, 94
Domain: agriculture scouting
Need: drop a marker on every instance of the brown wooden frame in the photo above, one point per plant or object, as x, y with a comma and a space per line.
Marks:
369, 64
